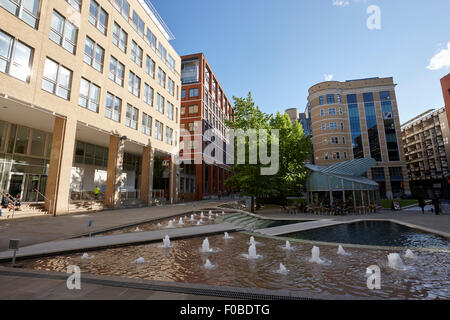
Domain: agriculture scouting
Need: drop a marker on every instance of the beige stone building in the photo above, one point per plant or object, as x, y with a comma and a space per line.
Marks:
89, 97
359, 119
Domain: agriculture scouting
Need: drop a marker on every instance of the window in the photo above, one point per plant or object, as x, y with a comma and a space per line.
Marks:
192, 126
342, 126
325, 141
131, 117
171, 62
340, 111
136, 53
25, 10
336, 156
355, 126
89, 95
343, 140
98, 17
146, 127
161, 78
123, 7
76, 4
322, 112
171, 86
169, 135
134, 84
193, 109
93, 54
183, 94
332, 111
192, 145
389, 130
169, 110
150, 67
334, 140
113, 107
162, 52
324, 126
333, 126
182, 111
63, 32
330, 98
148, 94
189, 71
326, 156
339, 99
385, 96
57, 79
138, 24
372, 126
15, 57
159, 130
150, 39
160, 103
119, 37
321, 100
193, 93
345, 154
116, 71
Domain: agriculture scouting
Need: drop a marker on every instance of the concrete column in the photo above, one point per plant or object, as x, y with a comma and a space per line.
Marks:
60, 169
217, 169
389, 194
406, 186
222, 180
173, 178
147, 175
198, 182
114, 172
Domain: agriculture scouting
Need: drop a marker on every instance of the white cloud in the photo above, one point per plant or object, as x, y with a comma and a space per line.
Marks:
328, 77
440, 60
340, 3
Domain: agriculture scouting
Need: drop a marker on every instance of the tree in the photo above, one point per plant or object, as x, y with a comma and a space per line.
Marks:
294, 148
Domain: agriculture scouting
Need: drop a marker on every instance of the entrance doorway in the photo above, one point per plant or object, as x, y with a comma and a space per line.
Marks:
16, 185
26, 184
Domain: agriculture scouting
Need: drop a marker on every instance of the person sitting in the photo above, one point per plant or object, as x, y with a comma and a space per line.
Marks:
17, 202
5, 201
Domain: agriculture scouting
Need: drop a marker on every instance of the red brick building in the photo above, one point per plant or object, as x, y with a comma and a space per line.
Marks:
445, 83
204, 109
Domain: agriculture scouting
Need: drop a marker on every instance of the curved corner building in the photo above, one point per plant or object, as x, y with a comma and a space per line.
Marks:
359, 119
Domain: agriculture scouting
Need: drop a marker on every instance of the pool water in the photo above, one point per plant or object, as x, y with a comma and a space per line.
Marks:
375, 233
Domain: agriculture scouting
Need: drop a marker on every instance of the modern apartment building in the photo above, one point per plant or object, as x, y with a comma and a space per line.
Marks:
427, 151
89, 96
204, 109
359, 119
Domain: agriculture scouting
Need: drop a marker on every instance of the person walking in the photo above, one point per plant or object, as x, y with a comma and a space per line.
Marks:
422, 205
436, 205
96, 192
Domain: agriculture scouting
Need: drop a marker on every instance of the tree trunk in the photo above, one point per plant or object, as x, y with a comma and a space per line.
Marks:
252, 205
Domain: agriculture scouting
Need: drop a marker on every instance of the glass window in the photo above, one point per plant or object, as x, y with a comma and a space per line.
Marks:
119, 37
138, 24
98, 17
150, 39
355, 128
193, 109
113, 107
22, 138
324, 126
334, 140
333, 126
116, 71
76, 4
159, 130
321, 100
131, 117
352, 98
134, 84
57, 79
169, 135
193, 93
171, 86
93, 54
25, 10
150, 67
389, 129
169, 110
89, 95
339, 99
146, 127
171, 62
322, 113
330, 98
183, 94
136, 53
161, 78
332, 111
385, 95
37, 142
63, 32
123, 7
162, 52
148, 94
15, 57
189, 71
340, 111
160, 103
372, 127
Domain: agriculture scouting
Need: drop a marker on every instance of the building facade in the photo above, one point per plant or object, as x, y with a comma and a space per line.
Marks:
204, 110
427, 151
89, 96
359, 119
445, 84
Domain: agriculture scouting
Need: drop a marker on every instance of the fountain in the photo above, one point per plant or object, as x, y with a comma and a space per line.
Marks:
159, 225
223, 213
252, 252
202, 215
227, 236
217, 214
192, 218
140, 261
181, 222
85, 256
342, 252
395, 262
137, 229
287, 246
208, 265
199, 223
166, 242
205, 246
315, 257
282, 269
170, 225
410, 255
210, 213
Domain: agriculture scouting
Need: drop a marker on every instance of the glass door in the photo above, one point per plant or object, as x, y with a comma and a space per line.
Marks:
16, 184
31, 184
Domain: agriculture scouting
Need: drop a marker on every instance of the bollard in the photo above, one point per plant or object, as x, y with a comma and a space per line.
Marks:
89, 226
14, 245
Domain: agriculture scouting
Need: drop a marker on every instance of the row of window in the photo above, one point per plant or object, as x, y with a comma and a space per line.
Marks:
367, 97
332, 112
332, 126
335, 155
335, 140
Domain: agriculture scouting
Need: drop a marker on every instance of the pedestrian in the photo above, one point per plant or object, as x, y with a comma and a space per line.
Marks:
96, 192
422, 204
17, 203
5, 201
436, 205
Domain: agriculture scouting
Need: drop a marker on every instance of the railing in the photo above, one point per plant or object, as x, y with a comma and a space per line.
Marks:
49, 200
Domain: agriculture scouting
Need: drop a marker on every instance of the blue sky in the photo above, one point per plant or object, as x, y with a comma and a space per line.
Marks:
278, 49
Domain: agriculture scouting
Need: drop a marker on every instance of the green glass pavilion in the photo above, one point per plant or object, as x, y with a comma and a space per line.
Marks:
342, 182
